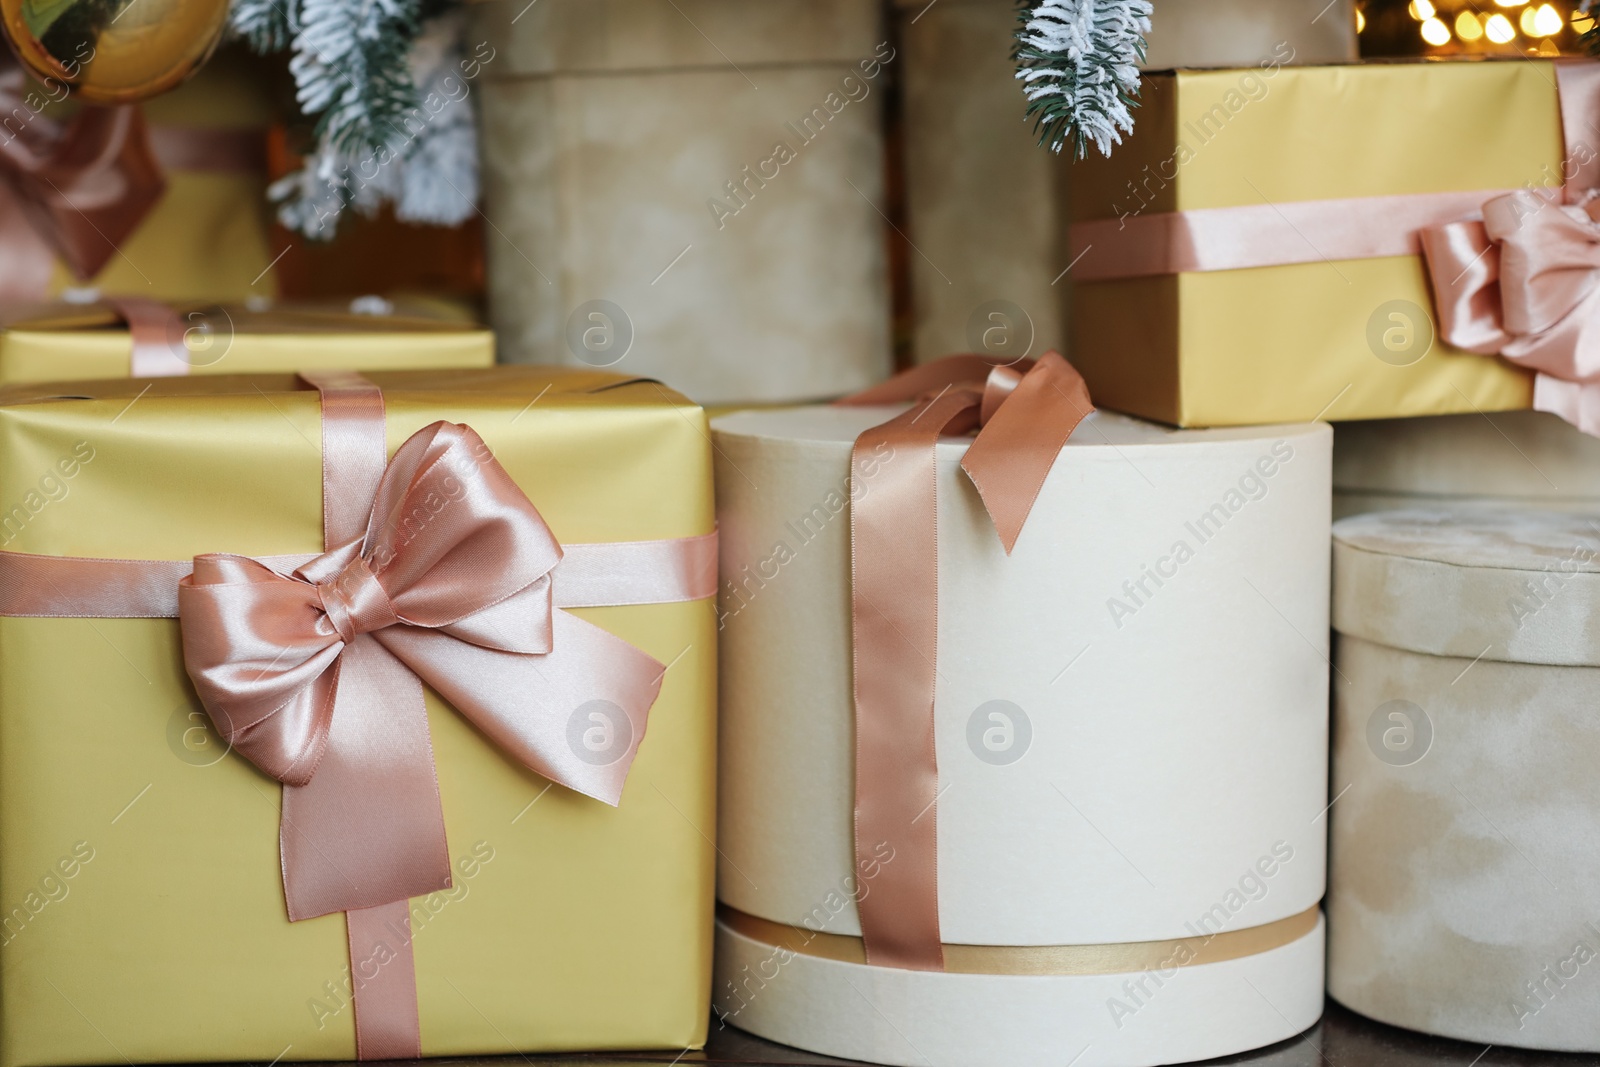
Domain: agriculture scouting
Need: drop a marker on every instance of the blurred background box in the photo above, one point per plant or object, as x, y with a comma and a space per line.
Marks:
1526, 459
979, 191
641, 214
68, 342
1241, 33
207, 238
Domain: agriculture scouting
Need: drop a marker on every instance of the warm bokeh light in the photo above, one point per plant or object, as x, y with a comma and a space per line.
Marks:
1546, 21
1460, 28
1468, 28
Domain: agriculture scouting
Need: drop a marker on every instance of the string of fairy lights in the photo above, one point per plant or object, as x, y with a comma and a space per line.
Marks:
1465, 27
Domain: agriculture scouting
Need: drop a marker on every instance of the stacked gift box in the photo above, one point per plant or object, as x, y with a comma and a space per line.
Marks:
1103, 653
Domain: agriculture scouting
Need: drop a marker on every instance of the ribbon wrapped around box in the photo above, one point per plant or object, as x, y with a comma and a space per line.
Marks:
982, 781
438, 580
146, 338
1201, 223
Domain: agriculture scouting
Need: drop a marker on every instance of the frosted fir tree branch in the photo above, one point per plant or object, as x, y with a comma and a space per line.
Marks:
350, 67
1590, 39
426, 165
390, 119
1078, 61
268, 25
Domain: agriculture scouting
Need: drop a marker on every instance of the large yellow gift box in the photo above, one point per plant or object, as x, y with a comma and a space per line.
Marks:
1323, 334
143, 903
65, 342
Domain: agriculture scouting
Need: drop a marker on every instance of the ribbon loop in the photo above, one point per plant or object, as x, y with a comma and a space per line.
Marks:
452, 580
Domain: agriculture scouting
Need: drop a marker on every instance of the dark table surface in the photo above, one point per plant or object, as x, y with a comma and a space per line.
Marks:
1341, 1039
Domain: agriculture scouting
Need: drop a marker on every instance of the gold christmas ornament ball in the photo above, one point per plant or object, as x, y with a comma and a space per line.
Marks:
114, 51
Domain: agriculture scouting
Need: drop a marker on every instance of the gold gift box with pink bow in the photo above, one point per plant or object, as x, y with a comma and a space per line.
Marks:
354, 715
1277, 244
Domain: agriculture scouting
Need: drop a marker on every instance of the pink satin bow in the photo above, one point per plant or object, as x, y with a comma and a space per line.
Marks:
77, 189
1524, 283
450, 585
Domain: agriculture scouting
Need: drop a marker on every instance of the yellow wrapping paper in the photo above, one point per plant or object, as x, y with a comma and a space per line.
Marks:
67, 343
578, 926
208, 238
1290, 343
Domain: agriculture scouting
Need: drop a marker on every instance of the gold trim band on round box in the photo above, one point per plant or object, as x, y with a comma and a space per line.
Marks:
1120, 958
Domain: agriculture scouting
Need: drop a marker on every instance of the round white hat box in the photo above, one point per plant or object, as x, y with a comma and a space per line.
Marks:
1131, 734
1465, 862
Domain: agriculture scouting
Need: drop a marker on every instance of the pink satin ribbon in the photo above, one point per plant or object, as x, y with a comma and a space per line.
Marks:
1023, 415
1514, 272
78, 189
155, 335
438, 571
1524, 281
1260, 235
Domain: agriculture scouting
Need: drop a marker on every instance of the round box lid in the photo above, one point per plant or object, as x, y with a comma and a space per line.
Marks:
1515, 585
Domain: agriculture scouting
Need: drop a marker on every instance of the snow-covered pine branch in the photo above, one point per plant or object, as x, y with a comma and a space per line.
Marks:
382, 79
1078, 61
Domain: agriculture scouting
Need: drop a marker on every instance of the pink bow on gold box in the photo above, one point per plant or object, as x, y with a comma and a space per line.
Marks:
444, 610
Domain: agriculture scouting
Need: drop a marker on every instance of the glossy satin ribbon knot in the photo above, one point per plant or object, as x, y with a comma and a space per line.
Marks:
1023, 414
452, 579
1524, 283
1521, 283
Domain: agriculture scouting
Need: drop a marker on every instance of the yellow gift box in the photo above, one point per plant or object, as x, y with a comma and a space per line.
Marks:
209, 236
143, 904
1331, 338
66, 343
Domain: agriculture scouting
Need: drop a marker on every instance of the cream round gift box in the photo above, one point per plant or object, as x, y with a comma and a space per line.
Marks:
1507, 459
1464, 894
1131, 733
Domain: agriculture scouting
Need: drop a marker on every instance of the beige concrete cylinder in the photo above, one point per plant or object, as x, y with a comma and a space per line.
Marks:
689, 191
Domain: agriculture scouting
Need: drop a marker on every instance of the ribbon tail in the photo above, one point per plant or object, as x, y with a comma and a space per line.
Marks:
1576, 402
381, 961
894, 626
1020, 441
575, 714
367, 829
